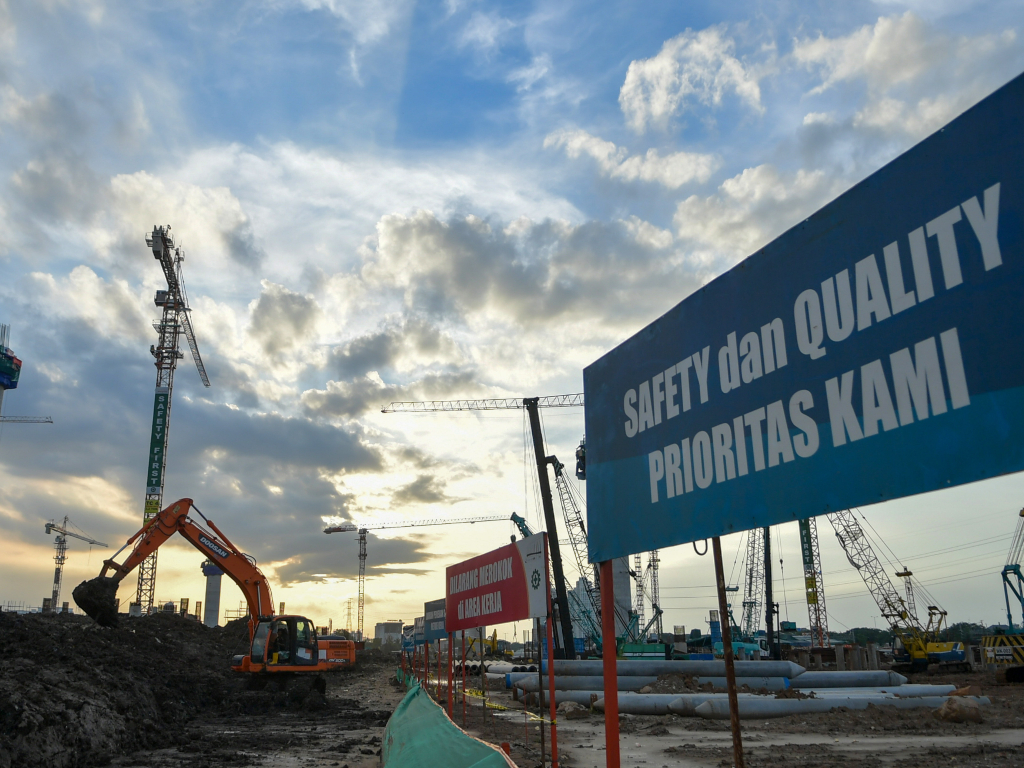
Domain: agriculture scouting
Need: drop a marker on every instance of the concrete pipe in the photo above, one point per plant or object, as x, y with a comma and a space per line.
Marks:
759, 707
686, 704
579, 697
655, 667
571, 683
855, 679
903, 691
642, 703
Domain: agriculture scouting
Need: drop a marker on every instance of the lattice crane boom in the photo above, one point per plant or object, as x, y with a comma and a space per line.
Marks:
486, 404
531, 405
362, 530
1013, 579
862, 557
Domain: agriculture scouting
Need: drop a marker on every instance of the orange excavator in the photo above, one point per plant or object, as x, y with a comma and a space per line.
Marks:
279, 645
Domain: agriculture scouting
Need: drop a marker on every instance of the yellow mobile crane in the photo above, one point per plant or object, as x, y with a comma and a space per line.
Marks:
920, 643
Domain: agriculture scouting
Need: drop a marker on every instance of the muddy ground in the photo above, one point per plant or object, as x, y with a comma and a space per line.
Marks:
873, 738
158, 693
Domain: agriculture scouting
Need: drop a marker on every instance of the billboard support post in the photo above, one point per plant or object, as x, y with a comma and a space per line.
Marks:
551, 682
611, 689
451, 693
730, 667
463, 678
540, 686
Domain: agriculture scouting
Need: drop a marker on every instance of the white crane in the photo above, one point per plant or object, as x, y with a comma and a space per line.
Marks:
60, 544
363, 529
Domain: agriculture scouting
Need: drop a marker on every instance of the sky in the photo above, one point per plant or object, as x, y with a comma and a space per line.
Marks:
391, 200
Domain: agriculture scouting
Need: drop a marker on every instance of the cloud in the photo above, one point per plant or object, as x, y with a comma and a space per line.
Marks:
917, 76
484, 31
219, 433
893, 50
672, 170
425, 489
751, 209
397, 345
108, 308
349, 399
691, 67
283, 319
468, 269
366, 20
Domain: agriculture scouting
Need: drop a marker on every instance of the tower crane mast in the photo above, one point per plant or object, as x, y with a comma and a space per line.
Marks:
753, 585
362, 530
10, 372
60, 546
174, 323
814, 588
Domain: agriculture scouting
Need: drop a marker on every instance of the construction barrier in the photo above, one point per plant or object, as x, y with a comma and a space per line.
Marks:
1003, 649
420, 735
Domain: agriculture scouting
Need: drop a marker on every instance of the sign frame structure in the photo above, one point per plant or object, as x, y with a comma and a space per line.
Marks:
503, 585
433, 620
873, 351
511, 583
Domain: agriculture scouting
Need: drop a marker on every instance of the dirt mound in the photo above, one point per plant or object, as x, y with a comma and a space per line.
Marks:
74, 694
673, 682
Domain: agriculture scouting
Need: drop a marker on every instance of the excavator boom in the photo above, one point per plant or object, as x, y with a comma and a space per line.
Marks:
96, 597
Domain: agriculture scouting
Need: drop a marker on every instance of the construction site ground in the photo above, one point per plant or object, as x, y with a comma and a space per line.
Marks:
874, 738
157, 692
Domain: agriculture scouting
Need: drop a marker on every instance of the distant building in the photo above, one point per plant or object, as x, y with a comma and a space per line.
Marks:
388, 631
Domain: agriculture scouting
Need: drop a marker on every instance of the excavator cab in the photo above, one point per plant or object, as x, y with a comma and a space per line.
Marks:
284, 642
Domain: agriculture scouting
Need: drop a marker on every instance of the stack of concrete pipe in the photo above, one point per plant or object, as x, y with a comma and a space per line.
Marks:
582, 682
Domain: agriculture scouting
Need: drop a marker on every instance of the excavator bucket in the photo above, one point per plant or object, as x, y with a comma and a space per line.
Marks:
98, 598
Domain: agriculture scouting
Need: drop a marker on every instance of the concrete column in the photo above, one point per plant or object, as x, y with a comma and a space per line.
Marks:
840, 660
856, 659
816, 661
211, 606
872, 656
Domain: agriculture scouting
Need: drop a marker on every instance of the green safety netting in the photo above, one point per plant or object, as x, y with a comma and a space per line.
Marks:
420, 735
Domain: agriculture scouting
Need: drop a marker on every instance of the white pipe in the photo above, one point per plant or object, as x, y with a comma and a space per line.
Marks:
758, 707
853, 679
903, 691
629, 683
657, 667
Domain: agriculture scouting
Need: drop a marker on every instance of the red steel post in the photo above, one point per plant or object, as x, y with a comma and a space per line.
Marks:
611, 689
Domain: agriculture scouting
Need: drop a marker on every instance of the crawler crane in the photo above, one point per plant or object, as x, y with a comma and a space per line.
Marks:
920, 644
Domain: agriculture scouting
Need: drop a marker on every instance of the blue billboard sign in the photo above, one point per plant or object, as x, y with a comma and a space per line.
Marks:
433, 621
873, 351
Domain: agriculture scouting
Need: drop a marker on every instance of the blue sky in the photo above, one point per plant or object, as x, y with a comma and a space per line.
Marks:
394, 200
